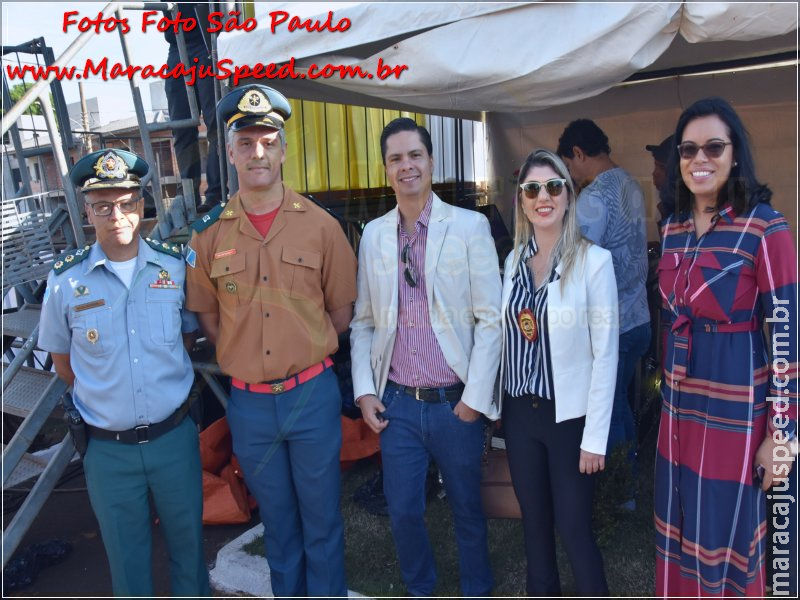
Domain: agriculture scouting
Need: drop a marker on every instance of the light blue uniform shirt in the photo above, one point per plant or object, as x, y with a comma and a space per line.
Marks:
611, 214
125, 346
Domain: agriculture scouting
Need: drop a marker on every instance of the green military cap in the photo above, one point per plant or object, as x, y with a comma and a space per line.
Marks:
254, 105
109, 168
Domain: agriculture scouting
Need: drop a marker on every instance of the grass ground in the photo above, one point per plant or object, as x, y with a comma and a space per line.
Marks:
626, 538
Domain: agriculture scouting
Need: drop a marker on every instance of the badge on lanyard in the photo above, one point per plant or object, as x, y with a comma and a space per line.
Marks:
527, 324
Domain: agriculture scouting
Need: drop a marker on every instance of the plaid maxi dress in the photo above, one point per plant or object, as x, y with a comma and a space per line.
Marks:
710, 513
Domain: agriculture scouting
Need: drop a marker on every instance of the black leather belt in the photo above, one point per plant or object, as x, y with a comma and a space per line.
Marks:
439, 394
143, 433
535, 400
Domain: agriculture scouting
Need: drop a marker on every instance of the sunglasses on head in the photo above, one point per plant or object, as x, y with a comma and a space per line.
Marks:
408, 272
553, 187
714, 149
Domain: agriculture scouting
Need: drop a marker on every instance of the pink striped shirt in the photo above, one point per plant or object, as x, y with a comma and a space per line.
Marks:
417, 359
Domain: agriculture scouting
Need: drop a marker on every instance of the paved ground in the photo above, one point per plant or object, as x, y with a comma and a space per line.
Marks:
68, 516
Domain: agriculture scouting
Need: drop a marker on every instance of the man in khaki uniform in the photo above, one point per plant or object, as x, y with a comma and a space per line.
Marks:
272, 278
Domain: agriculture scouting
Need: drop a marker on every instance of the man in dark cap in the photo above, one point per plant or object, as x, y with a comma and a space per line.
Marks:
112, 317
661, 154
272, 278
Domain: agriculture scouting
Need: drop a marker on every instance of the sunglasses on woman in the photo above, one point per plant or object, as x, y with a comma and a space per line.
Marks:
688, 150
552, 186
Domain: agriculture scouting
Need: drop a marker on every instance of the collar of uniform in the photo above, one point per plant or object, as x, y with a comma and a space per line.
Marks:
148, 254
144, 254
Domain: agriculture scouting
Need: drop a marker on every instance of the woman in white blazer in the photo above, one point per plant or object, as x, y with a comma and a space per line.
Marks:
557, 374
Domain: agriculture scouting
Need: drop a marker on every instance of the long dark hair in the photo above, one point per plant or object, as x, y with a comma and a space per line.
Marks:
742, 189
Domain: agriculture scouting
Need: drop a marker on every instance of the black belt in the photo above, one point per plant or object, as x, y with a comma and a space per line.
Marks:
437, 394
532, 398
143, 433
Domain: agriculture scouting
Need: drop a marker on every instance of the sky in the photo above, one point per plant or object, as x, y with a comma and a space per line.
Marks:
20, 26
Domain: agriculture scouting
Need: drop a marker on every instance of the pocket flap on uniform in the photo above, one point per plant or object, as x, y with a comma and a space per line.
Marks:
227, 265
301, 258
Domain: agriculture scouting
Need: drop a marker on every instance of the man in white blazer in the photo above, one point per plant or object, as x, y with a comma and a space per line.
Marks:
425, 345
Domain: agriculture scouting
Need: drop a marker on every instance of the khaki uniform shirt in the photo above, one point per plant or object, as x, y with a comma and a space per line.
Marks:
272, 294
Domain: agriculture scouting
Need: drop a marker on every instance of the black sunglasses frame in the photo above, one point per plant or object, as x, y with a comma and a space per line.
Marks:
688, 150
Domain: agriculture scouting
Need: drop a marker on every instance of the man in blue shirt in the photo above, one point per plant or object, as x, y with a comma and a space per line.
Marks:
610, 211
112, 317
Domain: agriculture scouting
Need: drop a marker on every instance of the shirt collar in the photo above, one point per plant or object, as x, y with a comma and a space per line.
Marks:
424, 217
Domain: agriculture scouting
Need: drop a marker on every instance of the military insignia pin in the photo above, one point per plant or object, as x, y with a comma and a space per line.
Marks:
110, 166
69, 258
254, 102
162, 274
58, 264
229, 213
92, 336
230, 287
81, 290
527, 324
297, 205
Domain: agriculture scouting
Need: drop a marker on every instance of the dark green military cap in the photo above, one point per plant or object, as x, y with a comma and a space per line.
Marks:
109, 168
254, 105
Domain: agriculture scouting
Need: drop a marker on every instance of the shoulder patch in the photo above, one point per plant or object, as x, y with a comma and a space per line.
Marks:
170, 249
70, 258
208, 219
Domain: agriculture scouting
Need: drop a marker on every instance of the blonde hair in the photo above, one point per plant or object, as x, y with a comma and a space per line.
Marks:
571, 245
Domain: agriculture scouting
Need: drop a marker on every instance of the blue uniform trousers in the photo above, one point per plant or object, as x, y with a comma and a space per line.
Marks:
288, 445
119, 477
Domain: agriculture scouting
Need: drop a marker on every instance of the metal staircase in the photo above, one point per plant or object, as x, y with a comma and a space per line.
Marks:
30, 389
33, 234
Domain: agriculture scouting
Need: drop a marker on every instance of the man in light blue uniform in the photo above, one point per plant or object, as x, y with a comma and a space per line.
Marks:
112, 317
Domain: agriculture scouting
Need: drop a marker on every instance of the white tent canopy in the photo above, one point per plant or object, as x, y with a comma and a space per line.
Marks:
527, 69
483, 57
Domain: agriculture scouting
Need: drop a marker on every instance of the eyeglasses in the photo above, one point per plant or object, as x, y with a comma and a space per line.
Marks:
104, 209
553, 187
713, 149
408, 272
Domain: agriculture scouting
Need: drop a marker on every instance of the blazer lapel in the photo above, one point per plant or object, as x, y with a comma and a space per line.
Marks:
387, 241
437, 229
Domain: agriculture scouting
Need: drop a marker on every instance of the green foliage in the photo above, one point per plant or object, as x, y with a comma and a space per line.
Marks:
19, 90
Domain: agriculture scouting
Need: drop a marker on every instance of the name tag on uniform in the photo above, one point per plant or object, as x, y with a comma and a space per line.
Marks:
224, 253
89, 305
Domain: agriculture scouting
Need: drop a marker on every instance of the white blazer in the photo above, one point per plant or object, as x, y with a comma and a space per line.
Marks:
463, 288
583, 326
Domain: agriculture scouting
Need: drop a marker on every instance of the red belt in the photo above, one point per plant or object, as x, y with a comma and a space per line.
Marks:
278, 387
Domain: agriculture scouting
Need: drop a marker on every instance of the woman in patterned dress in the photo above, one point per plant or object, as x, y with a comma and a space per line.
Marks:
728, 265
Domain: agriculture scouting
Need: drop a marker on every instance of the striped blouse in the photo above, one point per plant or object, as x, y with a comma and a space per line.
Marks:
527, 365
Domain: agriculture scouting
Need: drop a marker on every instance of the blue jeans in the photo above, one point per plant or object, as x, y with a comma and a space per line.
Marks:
288, 446
418, 432
632, 345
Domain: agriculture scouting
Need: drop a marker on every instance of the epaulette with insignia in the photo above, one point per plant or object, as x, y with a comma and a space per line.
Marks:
172, 249
208, 219
70, 259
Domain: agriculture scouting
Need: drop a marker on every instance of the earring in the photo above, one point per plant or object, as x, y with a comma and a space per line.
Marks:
735, 164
